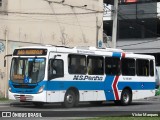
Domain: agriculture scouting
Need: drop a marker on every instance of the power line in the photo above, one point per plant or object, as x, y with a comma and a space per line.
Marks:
80, 7
49, 20
29, 13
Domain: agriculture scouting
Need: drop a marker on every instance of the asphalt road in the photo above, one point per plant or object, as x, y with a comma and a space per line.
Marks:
17, 110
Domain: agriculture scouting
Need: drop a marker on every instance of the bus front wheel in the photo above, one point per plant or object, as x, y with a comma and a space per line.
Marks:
69, 99
126, 97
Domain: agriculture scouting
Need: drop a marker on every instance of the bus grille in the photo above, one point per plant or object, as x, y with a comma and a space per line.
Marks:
24, 86
23, 97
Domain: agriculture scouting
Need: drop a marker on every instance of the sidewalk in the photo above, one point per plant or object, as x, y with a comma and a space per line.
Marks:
155, 98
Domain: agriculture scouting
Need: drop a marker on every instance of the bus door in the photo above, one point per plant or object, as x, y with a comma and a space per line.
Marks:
55, 76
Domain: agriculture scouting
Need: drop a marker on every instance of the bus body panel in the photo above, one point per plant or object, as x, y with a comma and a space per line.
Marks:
90, 87
41, 97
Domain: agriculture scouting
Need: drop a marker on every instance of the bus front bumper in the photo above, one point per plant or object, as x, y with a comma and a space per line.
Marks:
41, 97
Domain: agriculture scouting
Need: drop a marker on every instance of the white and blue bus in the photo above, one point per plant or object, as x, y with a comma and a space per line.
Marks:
48, 74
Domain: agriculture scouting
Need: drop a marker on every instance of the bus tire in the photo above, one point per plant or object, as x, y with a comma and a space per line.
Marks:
69, 99
126, 97
38, 104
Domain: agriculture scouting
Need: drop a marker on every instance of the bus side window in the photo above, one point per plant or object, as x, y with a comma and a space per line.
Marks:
112, 66
151, 68
128, 66
142, 67
95, 65
77, 64
55, 68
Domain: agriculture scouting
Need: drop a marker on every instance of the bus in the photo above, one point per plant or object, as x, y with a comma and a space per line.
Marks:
69, 75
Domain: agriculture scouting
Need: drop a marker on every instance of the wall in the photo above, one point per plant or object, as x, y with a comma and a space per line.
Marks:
34, 22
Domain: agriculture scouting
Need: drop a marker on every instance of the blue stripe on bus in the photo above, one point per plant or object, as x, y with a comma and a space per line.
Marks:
108, 88
137, 85
86, 85
107, 85
116, 54
64, 85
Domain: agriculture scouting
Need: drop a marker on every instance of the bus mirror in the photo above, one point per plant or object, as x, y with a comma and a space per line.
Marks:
56, 56
4, 63
9, 55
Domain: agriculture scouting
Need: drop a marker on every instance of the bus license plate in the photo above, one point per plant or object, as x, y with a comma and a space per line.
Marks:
22, 98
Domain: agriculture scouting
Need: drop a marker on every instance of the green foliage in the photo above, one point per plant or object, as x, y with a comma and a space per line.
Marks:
3, 99
123, 118
158, 91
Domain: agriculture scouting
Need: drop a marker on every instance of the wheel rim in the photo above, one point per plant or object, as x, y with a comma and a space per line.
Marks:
125, 97
69, 98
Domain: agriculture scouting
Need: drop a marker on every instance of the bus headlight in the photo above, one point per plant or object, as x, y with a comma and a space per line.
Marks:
41, 89
10, 89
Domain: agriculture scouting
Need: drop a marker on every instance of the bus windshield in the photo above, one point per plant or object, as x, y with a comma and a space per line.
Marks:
27, 70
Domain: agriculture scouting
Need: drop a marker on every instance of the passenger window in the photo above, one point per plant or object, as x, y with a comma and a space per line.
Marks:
151, 68
95, 65
128, 67
56, 69
142, 67
77, 64
112, 66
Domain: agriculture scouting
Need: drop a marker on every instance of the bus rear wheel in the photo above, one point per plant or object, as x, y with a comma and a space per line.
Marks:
69, 99
126, 97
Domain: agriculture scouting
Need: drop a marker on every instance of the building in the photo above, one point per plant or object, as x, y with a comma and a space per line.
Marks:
138, 22
138, 27
40, 22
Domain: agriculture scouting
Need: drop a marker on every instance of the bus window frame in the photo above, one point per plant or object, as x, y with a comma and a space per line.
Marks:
119, 66
150, 72
137, 68
53, 76
134, 67
70, 66
103, 64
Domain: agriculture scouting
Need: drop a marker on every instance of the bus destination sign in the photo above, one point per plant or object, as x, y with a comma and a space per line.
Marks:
30, 52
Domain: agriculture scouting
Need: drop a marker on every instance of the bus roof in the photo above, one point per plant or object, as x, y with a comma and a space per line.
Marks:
86, 50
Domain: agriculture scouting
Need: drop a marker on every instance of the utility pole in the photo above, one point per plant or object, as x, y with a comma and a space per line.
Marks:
114, 28
97, 32
6, 48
